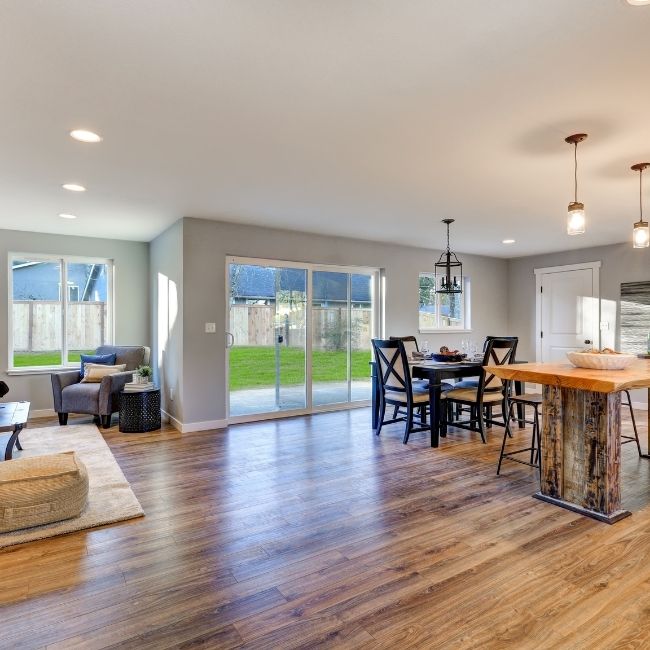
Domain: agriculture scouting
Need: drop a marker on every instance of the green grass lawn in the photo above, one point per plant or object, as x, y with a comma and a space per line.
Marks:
23, 359
254, 367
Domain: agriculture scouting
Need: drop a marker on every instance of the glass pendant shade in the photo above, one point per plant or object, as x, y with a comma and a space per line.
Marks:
576, 221
641, 235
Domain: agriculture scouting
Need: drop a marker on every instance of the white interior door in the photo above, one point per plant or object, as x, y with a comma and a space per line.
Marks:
568, 316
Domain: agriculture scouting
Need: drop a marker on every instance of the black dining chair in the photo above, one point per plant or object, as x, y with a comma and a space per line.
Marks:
491, 391
396, 387
411, 345
472, 382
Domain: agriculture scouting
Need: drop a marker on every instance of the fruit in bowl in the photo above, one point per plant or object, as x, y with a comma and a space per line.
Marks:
447, 355
605, 359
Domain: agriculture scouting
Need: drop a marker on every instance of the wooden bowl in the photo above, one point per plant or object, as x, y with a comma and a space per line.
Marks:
600, 361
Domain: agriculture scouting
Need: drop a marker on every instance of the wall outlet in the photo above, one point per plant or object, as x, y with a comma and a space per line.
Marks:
210, 328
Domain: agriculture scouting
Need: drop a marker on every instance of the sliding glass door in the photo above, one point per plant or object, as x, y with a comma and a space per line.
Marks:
299, 336
267, 332
342, 328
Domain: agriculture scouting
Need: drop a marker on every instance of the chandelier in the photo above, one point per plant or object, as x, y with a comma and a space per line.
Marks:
448, 269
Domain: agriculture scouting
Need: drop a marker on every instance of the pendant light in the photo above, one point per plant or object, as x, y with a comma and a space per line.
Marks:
575, 224
448, 269
641, 236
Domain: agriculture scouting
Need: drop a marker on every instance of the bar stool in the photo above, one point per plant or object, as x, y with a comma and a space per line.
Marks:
635, 437
535, 401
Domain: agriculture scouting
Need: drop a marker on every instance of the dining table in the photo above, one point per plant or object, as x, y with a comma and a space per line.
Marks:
435, 372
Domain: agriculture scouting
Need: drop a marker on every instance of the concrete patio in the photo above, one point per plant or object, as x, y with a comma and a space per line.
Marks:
263, 400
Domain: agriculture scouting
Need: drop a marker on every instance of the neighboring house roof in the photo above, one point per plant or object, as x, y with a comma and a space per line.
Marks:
258, 282
39, 280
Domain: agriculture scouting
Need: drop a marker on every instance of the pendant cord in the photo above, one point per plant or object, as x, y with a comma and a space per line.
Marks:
641, 193
575, 172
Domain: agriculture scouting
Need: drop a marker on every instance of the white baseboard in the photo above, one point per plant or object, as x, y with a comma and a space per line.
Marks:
188, 427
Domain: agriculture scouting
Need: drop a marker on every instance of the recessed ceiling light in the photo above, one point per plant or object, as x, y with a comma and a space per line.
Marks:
73, 187
63, 215
508, 241
85, 136
638, 3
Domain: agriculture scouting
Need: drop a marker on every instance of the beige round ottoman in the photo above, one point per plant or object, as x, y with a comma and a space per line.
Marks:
41, 489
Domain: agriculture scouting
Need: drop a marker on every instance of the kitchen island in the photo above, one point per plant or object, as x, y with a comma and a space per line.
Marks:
581, 433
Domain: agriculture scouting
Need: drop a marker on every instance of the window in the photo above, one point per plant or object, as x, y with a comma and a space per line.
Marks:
439, 311
50, 327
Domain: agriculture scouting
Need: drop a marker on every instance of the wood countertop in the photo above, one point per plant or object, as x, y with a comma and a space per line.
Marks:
564, 374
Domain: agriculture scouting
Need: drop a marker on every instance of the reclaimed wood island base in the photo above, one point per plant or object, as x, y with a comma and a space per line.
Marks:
581, 433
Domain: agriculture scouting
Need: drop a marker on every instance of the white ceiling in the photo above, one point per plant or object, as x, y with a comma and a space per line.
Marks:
370, 119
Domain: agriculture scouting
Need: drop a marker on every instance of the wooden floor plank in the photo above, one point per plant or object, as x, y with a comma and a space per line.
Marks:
313, 531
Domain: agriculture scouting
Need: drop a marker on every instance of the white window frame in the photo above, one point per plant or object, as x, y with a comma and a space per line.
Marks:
466, 325
64, 260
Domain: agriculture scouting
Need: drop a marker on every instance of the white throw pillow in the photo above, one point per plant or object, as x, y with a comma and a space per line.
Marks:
95, 372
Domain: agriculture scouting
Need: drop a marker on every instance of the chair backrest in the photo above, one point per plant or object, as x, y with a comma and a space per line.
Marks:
392, 366
498, 352
491, 338
132, 356
410, 344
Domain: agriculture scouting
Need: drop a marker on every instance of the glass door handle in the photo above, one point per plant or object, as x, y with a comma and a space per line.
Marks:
230, 339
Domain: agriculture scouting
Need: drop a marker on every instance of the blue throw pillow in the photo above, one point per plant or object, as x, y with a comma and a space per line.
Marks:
104, 359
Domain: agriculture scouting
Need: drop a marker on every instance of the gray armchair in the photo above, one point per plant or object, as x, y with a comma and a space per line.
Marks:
101, 399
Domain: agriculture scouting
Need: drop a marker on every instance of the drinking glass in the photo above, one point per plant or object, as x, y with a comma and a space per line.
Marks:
425, 347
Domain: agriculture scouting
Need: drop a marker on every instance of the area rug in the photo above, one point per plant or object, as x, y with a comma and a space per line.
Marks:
110, 497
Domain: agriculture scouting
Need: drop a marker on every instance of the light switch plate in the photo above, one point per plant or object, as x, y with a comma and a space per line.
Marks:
210, 328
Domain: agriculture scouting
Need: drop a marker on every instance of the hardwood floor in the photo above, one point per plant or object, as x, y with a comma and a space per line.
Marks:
314, 532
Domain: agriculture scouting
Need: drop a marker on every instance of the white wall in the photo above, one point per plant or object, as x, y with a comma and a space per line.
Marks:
620, 263
131, 297
206, 244
166, 281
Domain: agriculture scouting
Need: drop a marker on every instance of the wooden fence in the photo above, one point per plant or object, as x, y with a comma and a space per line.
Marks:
37, 325
257, 325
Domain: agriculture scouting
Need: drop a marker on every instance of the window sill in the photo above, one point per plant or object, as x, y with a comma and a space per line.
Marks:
446, 330
41, 370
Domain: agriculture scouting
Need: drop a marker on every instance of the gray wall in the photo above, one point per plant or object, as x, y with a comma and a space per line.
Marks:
166, 280
620, 263
207, 243
131, 297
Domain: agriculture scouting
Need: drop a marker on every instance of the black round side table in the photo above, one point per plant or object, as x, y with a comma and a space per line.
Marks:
140, 411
